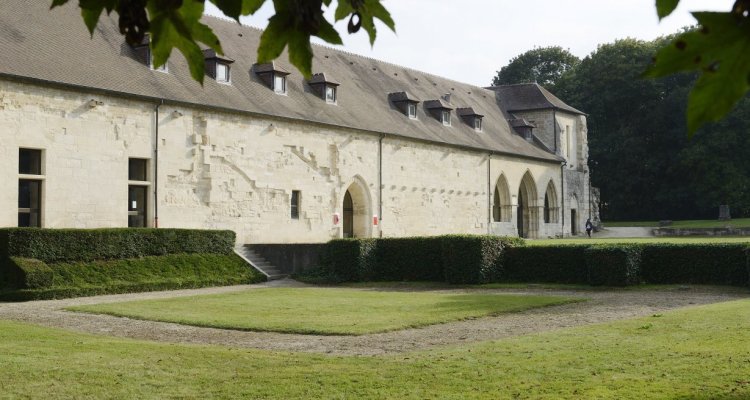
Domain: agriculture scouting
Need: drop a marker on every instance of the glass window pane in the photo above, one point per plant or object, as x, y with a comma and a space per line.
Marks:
222, 72
330, 94
29, 162
29, 203
412, 110
137, 206
137, 169
279, 84
295, 204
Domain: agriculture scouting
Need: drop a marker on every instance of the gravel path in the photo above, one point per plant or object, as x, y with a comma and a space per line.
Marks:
601, 306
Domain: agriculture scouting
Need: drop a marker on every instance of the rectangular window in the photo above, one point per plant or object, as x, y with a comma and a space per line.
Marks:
411, 110
279, 84
478, 124
138, 193
222, 73
446, 117
29, 203
29, 161
330, 94
30, 190
137, 169
137, 196
295, 204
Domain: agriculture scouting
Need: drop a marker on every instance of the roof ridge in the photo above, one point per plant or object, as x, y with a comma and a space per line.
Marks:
225, 19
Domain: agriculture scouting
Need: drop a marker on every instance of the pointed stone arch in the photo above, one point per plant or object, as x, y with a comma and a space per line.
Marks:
357, 208
551, 204
502, 208
527, 212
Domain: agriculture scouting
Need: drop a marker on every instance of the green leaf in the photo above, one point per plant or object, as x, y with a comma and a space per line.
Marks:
58, 3
274, 38
300, 53
343, 10
181, 28
328, 33
236, 8
718, 49
91, 10
665, 7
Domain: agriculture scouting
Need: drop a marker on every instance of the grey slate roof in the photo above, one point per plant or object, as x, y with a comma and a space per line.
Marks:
54, 46
530, 96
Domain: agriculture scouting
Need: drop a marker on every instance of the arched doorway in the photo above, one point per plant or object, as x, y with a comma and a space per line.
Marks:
574, 215
501, 205
355, 221
527, 214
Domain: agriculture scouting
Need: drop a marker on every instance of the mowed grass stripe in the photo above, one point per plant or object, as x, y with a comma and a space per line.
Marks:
696, 353
323, 311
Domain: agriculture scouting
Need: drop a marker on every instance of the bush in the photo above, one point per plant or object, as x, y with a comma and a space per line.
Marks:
548, 264
350, 260
407, 259
613, 265
474, 259
174, 271
715, 263
57, 245
29, 273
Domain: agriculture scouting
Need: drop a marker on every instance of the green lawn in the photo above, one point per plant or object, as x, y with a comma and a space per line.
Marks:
325, 311
585, 240
708, 223
696, 353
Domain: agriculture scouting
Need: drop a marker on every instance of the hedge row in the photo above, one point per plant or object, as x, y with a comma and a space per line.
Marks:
32, 279
450, 258
56, 245
482, 259
626, 264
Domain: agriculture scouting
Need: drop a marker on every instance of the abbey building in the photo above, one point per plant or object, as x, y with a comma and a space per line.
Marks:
92, 136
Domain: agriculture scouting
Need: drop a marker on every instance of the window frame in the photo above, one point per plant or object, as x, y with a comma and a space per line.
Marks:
227, 78
334, 90
279, 78
141, 185
445, 117
295, 204
37, 178
409, 107
164, 68
478, 124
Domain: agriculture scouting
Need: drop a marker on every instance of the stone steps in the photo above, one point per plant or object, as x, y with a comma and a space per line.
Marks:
261, 264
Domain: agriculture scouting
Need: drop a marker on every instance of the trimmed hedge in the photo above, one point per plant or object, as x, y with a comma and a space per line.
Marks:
451, 258
175, 271
57, 245
714, 263
613, 265
546, 264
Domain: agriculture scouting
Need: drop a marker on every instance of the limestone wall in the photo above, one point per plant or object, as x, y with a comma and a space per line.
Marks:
228, 171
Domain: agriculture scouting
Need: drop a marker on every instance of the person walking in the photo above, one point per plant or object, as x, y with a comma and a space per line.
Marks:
589, 227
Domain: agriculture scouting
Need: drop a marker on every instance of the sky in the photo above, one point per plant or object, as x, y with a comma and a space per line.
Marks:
469, 40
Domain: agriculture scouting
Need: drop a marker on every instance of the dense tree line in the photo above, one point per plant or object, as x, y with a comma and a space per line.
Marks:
639, 151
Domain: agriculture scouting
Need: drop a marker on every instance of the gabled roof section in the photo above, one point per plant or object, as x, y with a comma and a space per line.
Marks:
398, 97
321, 78
530, 96
211, 54
31, 36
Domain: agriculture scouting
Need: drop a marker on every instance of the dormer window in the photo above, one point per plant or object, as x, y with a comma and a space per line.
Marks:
218, 66
162, 68
144, 56
279, 84
445, 117
330, 94
405, 103
471, 117
273, 75
478, 124
325, 87
411, 110
440, 110
222, 73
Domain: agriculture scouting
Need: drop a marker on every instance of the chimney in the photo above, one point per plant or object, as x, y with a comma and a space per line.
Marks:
447, 98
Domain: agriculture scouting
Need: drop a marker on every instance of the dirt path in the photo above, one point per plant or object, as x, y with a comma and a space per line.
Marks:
600, 307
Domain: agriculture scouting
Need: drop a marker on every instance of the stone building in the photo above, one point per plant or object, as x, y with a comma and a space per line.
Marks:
364, 148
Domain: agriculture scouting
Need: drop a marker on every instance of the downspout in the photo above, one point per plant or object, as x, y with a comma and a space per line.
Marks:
489, 194
562, 198
380, 183
156, 163
554, 128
